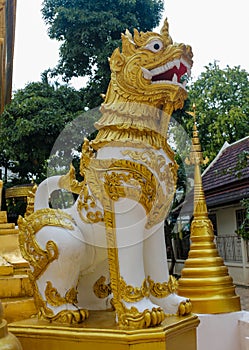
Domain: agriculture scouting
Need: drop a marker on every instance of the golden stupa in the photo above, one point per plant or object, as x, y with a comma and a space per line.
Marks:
205, 278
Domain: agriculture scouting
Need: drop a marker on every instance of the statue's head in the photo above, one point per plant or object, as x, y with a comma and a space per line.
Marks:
150, 69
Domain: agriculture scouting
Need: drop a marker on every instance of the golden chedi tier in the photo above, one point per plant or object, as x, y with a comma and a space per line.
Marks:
205, 278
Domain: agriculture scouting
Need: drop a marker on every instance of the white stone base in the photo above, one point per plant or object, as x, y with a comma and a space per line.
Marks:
244, 331
223, 331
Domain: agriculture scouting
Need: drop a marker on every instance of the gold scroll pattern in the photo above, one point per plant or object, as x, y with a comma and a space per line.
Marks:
37, 257
163, 289
167, 175
130, 179
121, 178
55, 299
101, 289
132, 294
124, 178
65, 316
86, 207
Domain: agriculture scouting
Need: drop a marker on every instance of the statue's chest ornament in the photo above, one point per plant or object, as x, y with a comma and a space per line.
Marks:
145, 177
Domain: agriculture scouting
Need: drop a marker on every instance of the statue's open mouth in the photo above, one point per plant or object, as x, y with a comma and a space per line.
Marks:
171, 73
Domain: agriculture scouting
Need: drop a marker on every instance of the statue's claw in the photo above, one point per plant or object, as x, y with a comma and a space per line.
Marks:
185, 308
154, 317
157, 316
68, 316
146, 319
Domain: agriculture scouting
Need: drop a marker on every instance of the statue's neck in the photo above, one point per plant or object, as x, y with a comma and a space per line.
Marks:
129, 123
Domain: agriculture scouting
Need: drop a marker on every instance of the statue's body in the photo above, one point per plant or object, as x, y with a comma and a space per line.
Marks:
110, 246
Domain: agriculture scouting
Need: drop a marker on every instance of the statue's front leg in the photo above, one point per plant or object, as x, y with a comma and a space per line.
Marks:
130, 289
163, 288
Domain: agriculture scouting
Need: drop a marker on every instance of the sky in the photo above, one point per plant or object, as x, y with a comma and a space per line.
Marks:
216, 30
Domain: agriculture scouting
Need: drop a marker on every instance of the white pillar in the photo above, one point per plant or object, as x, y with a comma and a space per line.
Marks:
244, 260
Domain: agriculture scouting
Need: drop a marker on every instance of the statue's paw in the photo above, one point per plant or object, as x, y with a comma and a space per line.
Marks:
185, 308
76, 316
174, 304
142, 314
67, 316
133, 319
154, 317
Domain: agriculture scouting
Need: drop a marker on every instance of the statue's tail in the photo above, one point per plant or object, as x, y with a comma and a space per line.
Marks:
44, 191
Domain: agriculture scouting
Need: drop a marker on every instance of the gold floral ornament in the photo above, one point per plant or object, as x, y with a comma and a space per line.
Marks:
162, 290
86, 204
166, 173
131, 179
119, 178
101, 289
55, 299
30, 201
132, 294
87, 208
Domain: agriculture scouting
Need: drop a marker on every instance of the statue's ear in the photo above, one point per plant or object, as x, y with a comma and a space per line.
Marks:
116, 61
138, 37
128, 45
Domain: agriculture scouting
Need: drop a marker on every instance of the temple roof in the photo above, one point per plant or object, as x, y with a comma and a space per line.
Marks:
226, 179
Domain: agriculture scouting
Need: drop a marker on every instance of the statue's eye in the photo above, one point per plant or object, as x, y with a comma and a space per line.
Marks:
154, 45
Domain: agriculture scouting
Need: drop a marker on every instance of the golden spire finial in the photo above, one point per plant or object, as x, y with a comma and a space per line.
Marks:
196, 159
194, 113
196, 152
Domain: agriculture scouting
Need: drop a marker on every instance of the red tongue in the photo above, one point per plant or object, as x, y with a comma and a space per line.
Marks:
168, 75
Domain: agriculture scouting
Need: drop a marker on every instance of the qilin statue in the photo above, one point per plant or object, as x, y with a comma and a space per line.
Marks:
108, 249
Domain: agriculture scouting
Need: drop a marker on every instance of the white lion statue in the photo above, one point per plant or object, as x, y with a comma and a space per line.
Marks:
108, 250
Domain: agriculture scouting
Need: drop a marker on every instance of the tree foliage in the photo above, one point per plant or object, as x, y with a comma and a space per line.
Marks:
30, 125
221, 97
89, 31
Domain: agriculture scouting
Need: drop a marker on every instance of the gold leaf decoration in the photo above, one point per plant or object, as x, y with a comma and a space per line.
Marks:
55, 299
101, 289
132, 294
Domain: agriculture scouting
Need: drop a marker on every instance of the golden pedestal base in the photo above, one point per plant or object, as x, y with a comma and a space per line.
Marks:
100, 332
